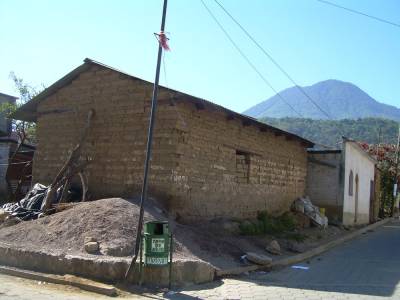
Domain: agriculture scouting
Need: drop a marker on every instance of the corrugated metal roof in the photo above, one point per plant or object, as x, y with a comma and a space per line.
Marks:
8, 96
28, 112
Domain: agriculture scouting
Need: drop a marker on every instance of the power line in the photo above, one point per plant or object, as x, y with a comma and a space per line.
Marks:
359, 13
272, 59
247, 59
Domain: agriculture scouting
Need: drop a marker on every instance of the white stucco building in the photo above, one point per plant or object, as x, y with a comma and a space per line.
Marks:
343, 182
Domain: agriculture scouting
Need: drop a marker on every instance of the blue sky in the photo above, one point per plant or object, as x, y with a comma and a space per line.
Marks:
42, 40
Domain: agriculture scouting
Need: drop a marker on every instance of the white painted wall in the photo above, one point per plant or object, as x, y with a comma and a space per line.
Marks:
362, 164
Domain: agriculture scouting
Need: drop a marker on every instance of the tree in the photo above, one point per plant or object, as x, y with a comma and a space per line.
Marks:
385, 154
25, 130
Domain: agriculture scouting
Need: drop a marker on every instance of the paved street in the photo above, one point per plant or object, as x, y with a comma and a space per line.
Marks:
365, 268
15, 288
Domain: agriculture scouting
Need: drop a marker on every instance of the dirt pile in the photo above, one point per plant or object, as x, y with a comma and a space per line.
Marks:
113, 223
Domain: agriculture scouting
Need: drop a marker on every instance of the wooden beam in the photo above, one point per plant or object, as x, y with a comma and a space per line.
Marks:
242, 150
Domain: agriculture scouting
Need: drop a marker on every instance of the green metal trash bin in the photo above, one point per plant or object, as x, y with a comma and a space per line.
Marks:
156, 245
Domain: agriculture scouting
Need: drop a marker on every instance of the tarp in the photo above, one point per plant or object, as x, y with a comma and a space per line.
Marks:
31, 206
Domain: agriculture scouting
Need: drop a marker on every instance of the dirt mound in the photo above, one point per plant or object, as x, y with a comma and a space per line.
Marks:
113, 223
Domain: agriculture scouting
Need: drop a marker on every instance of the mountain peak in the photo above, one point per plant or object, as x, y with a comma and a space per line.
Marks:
342, 100
334, 84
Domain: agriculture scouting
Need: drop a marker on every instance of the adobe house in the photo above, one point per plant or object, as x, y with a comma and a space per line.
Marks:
208, 161
344, 182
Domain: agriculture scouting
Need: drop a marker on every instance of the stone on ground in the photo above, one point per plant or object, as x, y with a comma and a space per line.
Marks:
92, 247
274, 248
3, 215
295, 247
258, 259
89, 239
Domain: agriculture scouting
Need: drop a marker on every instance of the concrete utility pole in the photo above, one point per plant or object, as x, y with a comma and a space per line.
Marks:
149, 145
396, 172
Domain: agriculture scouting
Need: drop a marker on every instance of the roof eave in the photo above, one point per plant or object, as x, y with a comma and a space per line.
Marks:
253, 121
28, 111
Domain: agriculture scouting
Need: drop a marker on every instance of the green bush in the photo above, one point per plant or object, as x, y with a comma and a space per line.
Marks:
287, 222
251, 228
267, 221
298, 237
266, 224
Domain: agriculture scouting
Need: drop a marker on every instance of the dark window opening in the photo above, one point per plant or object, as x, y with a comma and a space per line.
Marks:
242, 166
351, 183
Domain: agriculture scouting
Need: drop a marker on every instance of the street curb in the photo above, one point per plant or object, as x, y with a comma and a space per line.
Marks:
82, 283
104, 269
302, 256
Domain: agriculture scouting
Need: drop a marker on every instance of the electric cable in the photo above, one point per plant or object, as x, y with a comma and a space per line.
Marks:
248, 60
301, 90
359, 13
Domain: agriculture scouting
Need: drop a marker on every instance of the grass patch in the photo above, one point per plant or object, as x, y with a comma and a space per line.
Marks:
266, 224
295, 236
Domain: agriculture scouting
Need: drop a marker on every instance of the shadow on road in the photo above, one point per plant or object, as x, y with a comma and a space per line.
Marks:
367, 265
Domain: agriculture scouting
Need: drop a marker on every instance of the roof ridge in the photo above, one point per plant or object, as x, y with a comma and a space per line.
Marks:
27, 111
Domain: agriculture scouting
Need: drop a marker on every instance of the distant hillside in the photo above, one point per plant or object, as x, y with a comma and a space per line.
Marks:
370, 130
341, 100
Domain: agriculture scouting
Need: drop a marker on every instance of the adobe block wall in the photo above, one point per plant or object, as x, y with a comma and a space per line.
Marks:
117, 138
227, 169
203, 165
323, 183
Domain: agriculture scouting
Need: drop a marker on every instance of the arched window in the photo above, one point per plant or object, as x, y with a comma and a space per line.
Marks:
351, 183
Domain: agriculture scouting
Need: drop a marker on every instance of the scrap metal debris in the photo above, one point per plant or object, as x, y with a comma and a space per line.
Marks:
305, 206
41, 199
